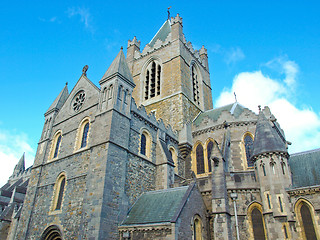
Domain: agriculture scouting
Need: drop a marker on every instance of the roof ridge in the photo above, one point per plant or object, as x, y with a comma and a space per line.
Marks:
304, 152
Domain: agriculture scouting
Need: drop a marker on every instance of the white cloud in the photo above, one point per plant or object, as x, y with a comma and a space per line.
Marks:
52, 19
85, 16
234, 55
301, 125
12, 146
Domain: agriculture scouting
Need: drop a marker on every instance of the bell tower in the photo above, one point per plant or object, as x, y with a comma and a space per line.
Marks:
172, 79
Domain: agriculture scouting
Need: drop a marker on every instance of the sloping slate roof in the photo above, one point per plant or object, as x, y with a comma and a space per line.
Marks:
305, 168
156, 206
119, 66
162, 34
267, 139
59, 101
235, 109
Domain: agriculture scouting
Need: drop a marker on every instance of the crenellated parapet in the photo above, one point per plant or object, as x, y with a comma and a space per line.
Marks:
151, 121
134, 42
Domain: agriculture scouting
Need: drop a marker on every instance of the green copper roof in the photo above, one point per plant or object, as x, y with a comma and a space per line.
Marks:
305, 168
235, 109
156, 206
162, 34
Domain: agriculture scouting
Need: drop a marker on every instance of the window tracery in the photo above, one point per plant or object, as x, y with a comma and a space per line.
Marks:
78, 101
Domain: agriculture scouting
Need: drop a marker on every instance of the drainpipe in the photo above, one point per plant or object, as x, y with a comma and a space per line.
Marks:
234, 197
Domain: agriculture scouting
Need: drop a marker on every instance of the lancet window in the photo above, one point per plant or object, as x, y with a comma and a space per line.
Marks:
200, 159
195, 82
152, 84
209, 150
248, 143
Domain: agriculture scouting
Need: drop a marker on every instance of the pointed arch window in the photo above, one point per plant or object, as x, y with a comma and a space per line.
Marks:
248, 144
174, 158
209, 150
195, 84
257, 222
57, 147
306, 221
152, 83
145, 143
59, 190
56, 142
85, 135
197, 228
200, 159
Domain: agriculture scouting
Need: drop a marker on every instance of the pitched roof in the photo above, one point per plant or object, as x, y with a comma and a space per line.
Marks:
162, 34
59, 101
235, 109
267, 137
157, 206
120, 67
305, 168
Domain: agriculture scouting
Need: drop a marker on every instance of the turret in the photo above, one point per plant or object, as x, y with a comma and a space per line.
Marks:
271, 165
204, 57
52, 112
117, 86
133, 46
176, 28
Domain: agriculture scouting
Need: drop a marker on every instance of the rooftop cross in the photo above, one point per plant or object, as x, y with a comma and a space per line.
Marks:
169, 12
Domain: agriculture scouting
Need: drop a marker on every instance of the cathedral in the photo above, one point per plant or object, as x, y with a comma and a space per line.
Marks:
144, 155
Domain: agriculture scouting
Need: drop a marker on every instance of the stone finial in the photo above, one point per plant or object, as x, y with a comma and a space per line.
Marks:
203, 50
259, 107
134, 41
176, 19
84, 70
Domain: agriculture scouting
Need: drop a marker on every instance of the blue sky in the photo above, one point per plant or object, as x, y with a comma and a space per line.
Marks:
268, 52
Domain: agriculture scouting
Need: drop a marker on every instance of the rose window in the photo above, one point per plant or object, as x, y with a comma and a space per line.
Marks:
78, 101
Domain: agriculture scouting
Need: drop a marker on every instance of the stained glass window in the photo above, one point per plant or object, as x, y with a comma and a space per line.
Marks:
85, 135
248, 143
57, 147
200, 159
209, 150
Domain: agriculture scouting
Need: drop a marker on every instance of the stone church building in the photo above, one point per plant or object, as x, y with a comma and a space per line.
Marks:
145, 156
